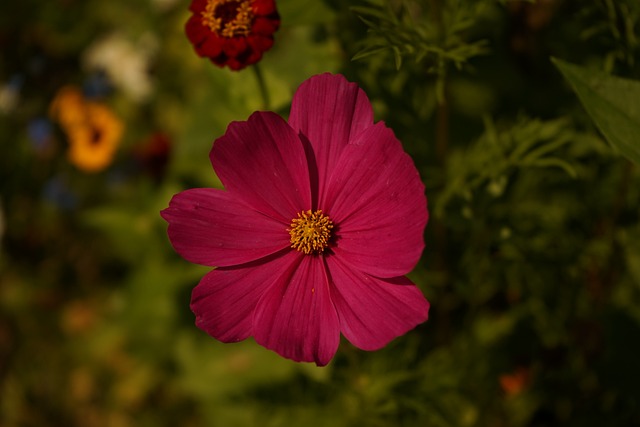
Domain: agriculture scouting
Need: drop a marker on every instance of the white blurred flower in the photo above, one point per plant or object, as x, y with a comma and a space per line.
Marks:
10, 94
1, 222
125, 63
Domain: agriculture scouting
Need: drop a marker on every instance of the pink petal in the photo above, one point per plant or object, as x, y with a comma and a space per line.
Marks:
263, 163
329, 111
295, 317
374, 311
210, 227
377, 199
225, 298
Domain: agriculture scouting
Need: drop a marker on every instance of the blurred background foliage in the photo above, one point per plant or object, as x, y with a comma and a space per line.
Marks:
532, 263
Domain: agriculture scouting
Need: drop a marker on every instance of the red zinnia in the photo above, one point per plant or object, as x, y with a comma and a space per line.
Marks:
232, 32
321, 218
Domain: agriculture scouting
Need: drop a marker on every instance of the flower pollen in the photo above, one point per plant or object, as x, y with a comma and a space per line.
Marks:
310, 232
228, 18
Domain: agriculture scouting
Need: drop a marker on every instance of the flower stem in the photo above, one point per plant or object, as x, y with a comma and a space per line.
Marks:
266, 101
441, 132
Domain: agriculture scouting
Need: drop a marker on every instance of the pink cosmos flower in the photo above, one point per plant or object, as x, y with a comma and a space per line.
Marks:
321, 218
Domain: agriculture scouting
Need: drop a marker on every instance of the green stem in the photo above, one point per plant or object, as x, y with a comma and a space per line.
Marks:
442, 123
266, 101
442, 130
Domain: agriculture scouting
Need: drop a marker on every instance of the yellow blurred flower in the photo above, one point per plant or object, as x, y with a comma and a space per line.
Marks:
68, 106
93, 130
93, 144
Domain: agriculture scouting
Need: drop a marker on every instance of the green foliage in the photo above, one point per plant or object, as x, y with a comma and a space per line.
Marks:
410, 31
490, 162
619, 30
420, 30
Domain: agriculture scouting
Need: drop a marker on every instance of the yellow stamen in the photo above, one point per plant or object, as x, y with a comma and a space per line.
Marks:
228, 18
310, 232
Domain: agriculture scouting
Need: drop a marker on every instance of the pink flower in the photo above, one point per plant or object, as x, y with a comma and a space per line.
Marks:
321, 218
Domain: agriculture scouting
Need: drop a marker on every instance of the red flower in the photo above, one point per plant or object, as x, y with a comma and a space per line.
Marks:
321, 218
232, 32
516, 382
153, 154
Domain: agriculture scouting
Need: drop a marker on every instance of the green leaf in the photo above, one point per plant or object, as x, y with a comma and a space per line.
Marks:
612, 102
368, 52
397, 56
362, 10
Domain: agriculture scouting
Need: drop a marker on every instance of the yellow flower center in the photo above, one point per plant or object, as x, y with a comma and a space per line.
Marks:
228, 18
310, 232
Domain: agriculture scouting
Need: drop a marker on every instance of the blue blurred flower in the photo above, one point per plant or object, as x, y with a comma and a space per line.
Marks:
58, 192
39, 131
98, 85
